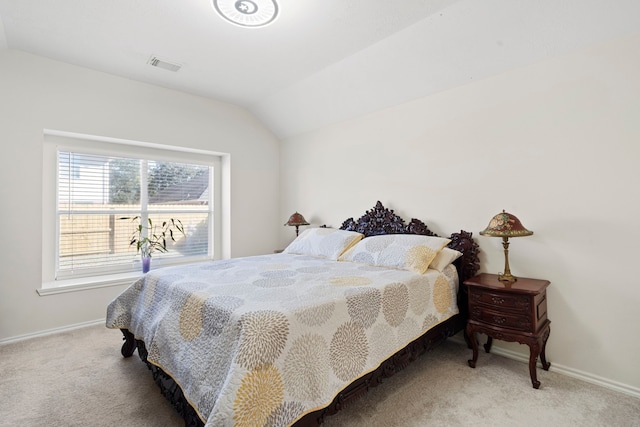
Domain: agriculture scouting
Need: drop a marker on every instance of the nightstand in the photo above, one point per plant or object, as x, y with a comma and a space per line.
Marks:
516, 312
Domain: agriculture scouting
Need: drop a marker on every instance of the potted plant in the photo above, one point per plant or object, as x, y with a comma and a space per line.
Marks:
153, 237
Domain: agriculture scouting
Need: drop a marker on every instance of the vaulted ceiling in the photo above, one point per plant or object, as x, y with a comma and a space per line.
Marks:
321, 61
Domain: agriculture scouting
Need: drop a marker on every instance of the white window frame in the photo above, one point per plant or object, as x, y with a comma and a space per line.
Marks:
55, 141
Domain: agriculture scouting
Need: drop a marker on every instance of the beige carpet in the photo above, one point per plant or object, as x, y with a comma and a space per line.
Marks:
78, 378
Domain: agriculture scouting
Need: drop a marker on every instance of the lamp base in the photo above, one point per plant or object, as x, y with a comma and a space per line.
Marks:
507, 278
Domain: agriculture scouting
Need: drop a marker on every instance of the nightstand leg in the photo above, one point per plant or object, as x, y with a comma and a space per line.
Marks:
543, 357
466, 338
487, 346
532, 371
533, 358
474, 346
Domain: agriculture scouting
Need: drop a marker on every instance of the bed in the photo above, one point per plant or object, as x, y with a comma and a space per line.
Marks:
288, 339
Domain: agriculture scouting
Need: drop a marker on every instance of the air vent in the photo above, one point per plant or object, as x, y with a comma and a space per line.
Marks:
160, 63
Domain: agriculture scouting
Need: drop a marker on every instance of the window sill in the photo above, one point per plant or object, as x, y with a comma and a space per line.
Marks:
85, 283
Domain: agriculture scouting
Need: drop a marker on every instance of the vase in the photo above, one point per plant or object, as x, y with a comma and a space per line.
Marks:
146, 264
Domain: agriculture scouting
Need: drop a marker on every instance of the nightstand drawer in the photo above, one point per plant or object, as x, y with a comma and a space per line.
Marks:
520, 303
502, 319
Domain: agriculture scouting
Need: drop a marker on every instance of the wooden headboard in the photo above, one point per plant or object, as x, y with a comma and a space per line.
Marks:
381, 220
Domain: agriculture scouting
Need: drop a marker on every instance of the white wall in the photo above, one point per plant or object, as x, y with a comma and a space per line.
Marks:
36, 94
556, 143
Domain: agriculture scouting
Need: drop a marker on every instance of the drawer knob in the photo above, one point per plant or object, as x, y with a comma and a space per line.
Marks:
499, 320
497, 300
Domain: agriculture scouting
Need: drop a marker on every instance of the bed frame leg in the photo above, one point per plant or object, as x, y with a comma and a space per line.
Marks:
129, 345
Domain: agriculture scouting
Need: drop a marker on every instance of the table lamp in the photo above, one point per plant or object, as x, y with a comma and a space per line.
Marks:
505, 225
296, 220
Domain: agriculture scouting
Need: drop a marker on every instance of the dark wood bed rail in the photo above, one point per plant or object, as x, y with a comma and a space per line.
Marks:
376, 221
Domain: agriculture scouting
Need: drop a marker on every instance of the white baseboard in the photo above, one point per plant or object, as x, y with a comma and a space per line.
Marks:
564, 370
51, 331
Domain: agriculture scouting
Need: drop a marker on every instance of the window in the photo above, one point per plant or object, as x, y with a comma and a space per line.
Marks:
100, 187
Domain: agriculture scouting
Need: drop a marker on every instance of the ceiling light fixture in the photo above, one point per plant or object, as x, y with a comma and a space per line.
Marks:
247, 13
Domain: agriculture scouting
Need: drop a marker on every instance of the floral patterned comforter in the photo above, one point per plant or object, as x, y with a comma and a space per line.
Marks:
264, 340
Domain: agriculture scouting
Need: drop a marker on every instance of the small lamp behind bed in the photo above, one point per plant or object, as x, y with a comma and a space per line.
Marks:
296, 220
505, 225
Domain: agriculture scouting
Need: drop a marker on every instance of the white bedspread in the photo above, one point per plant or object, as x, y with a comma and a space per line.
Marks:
263, 340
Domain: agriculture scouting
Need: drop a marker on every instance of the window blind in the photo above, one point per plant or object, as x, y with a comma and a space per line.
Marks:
98, 197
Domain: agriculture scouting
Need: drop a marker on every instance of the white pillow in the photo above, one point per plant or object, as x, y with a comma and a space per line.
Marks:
327, 243
445, 257
411, 252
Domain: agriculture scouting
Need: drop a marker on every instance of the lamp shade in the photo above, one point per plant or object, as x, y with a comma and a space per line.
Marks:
505, 224
296, 220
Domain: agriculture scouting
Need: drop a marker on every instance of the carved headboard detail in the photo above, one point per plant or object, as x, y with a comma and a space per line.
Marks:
378, 220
